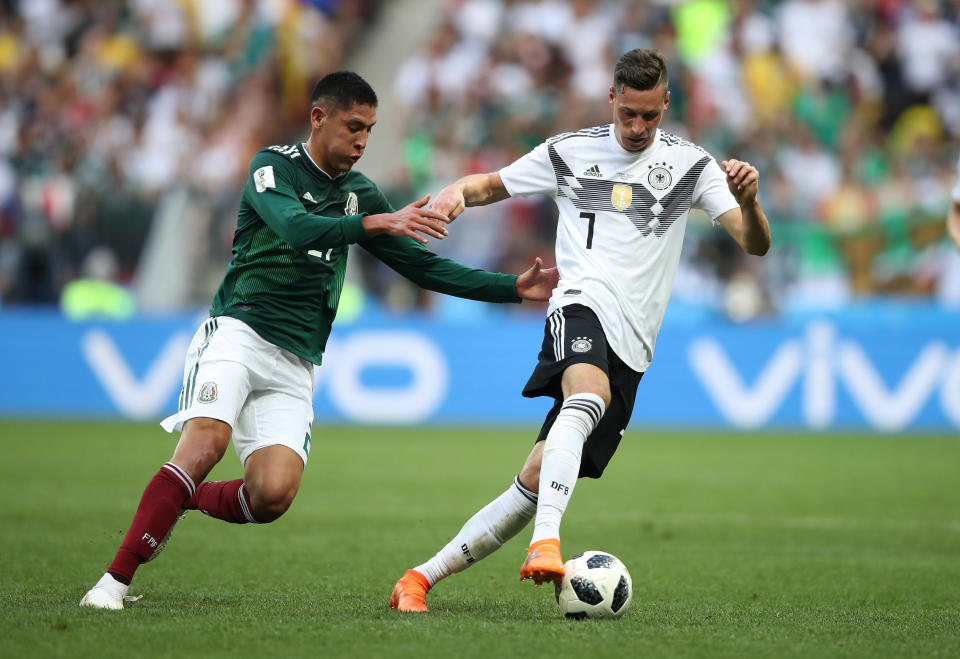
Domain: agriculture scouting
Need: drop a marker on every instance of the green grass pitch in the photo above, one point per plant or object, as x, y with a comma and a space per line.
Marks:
740, 545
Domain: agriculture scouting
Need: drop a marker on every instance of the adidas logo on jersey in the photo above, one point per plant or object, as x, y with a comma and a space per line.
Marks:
594, 171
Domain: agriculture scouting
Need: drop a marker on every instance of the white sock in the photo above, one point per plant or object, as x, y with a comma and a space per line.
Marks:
114, 587
560, 467
484, 533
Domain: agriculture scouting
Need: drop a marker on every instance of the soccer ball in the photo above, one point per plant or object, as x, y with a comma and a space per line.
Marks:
595, 585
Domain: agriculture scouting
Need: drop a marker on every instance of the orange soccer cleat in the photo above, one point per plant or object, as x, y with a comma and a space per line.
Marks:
544, 562
410, 593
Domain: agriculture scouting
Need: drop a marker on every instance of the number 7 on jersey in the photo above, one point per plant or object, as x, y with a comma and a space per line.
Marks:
590, 218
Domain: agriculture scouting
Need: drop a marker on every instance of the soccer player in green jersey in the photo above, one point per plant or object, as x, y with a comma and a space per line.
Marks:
249, 369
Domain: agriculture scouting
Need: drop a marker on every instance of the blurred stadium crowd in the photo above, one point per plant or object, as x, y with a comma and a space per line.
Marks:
109, 107
850, 109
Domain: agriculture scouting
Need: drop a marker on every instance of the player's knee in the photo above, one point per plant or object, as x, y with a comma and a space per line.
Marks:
206, 458
604, 393
271, 500
601, 390
530, 471
530, 477
201, 446
269, 512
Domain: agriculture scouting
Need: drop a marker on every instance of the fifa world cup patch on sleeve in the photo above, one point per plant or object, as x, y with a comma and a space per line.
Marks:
263, 178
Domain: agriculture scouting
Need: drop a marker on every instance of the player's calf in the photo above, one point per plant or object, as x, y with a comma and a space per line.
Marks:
226, 500
166, 538
268, 505
271, 479
159, 509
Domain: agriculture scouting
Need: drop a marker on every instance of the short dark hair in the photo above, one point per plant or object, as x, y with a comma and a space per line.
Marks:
641, 69
342, 90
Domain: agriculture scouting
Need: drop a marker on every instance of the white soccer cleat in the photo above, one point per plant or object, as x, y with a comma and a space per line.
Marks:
100, 598
107, 594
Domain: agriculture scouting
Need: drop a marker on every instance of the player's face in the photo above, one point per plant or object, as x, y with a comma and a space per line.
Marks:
342, 135
636, 115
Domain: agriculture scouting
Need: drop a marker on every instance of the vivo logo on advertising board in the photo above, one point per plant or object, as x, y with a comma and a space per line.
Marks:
141, 399
825, 361
345, 360
817, 377
344, 363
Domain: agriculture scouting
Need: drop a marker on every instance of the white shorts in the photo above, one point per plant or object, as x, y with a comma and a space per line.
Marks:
264, 392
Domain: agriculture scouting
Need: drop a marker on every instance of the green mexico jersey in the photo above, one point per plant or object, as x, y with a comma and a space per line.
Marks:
294, 229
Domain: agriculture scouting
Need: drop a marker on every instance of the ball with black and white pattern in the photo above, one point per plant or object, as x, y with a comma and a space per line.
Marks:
595, 585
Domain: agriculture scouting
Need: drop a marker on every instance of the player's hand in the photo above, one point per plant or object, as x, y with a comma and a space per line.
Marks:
450, 201
537, 283
411, 220
743, 180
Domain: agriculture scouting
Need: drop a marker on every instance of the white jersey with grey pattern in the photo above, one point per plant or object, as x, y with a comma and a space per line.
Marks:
622, 219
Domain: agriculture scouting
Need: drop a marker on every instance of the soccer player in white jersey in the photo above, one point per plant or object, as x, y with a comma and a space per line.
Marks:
624, 191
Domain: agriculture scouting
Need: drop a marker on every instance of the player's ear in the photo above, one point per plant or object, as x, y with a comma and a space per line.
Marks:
666, 99
613, 93
317, 116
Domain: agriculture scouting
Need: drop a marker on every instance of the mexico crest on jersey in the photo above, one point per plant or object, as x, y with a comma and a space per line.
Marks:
352, 204
621, 196
208, 392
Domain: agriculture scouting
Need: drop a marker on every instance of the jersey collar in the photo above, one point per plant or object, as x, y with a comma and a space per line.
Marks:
314, 166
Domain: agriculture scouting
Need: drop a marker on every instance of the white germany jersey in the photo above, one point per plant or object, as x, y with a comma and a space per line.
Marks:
622, 219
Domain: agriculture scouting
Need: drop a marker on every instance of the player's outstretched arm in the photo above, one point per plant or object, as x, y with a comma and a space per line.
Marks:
436, 273
953, 223
472, 190
748, 224
411, 220
537, 283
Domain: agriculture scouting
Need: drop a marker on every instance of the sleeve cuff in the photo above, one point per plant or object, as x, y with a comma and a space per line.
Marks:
509, 283
353, 229
505, 180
